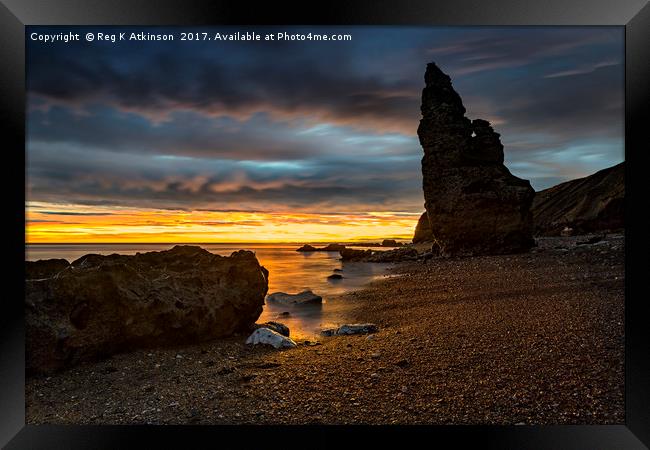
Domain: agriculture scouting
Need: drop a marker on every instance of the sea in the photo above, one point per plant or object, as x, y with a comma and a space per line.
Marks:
289, 271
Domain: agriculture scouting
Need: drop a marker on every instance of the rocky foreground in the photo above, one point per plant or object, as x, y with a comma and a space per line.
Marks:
100, 305
533, 338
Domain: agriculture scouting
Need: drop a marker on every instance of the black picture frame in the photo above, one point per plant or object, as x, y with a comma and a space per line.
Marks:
634, 15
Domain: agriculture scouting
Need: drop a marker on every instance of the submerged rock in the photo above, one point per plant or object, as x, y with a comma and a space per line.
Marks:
400, 254
332, 248
327, 248
266, 336
355, 328
100, 305
350, 254
473, 202
305, 297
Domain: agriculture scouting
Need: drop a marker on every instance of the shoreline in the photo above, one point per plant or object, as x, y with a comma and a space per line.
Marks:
533, 338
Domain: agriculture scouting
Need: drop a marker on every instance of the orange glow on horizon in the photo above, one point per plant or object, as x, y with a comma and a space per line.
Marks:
52, 223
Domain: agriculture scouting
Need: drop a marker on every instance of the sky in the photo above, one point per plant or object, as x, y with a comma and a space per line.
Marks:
300, 141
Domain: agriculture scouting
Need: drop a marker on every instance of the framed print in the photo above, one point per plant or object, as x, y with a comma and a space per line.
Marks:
388, 219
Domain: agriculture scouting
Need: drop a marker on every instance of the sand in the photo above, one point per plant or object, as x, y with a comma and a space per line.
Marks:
536, 338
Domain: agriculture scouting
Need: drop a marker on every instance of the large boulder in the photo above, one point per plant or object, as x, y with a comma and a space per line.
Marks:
100, 305
474, 204
586, 205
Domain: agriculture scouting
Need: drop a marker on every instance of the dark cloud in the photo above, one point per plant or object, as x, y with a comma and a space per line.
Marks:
74, 213
311, 126
191, 134
327, 184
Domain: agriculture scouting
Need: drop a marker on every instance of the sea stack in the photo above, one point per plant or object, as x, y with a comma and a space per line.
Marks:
474, 204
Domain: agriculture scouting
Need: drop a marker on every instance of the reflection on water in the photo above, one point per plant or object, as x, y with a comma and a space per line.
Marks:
289, 271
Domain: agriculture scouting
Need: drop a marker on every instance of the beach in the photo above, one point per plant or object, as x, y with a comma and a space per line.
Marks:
530, 338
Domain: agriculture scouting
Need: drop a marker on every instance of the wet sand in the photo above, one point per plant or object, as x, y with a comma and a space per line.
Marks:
535, 338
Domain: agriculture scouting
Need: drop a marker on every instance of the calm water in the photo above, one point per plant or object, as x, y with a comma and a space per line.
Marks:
289, 271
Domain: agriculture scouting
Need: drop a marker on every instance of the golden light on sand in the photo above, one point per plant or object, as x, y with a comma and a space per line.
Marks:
53, 223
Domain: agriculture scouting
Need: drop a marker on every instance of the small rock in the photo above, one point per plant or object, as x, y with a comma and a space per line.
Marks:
335, 276
303, 298
248, 377
567, 231
375, 355
268, 365
275, 326
591, 240
356, 328
402, 363
110, 369
267, 336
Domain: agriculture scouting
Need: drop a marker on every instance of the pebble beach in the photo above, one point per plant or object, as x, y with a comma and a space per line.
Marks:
532, 338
